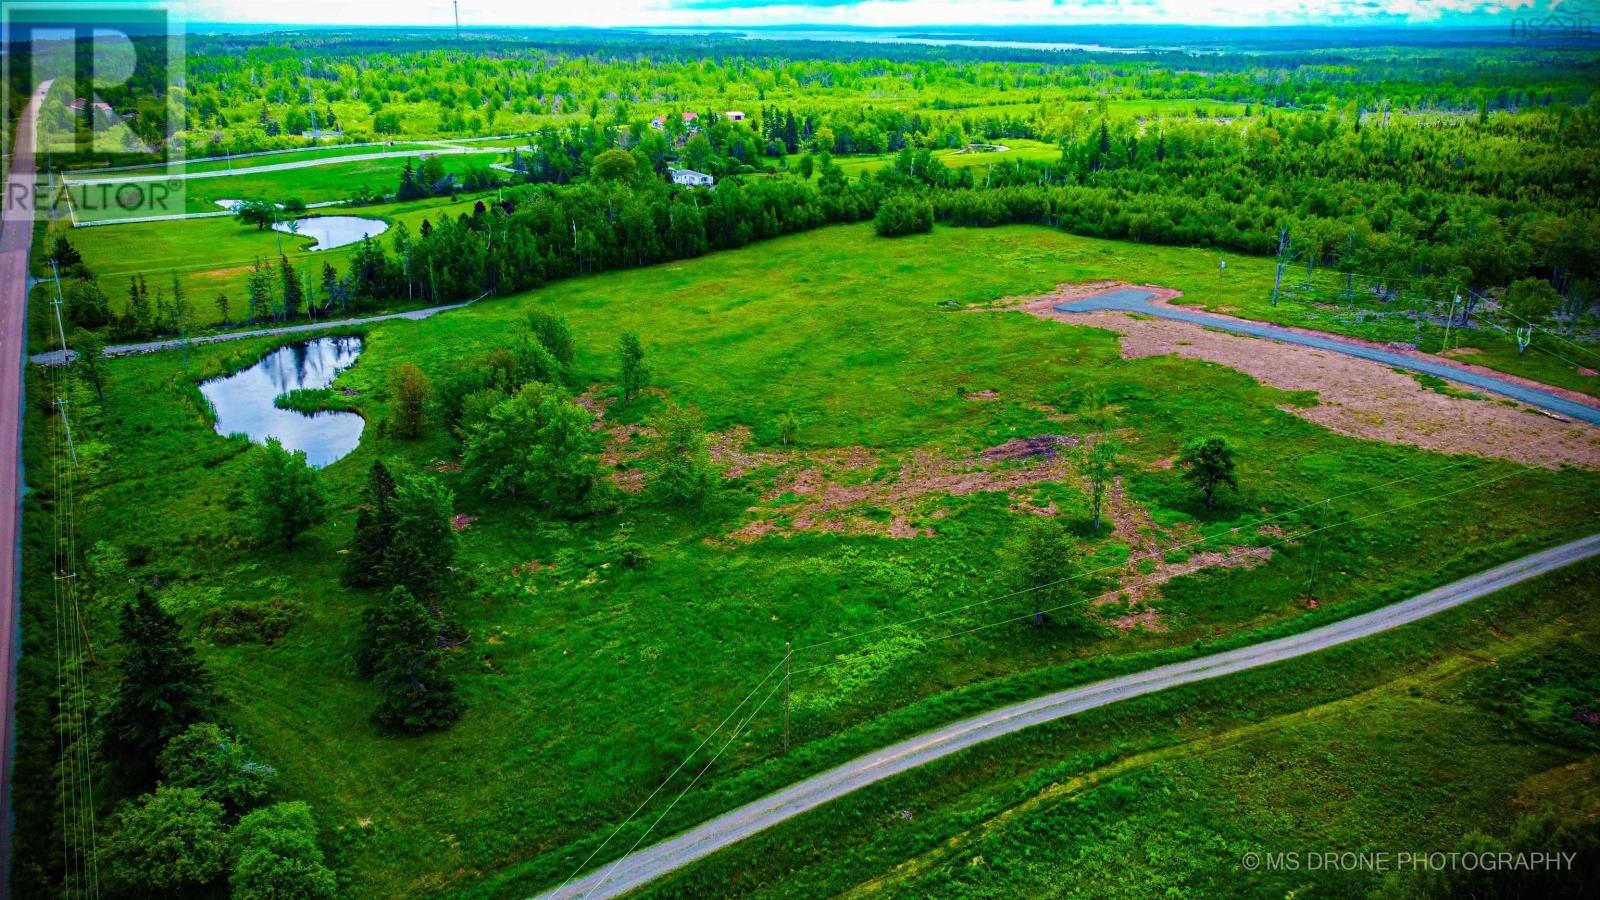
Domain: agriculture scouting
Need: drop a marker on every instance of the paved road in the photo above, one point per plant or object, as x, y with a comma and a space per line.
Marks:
276, 167
16, 237
55, 357
1137, 301
652, 862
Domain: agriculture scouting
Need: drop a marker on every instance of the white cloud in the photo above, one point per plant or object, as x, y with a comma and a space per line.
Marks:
691, 13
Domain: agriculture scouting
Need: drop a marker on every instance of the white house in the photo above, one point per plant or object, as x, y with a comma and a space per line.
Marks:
691, 178
733, 115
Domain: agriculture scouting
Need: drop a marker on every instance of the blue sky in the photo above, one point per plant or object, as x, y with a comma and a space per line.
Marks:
614, 13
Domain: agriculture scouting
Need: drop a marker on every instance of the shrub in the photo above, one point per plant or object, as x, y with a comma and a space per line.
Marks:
250, 621
904, 214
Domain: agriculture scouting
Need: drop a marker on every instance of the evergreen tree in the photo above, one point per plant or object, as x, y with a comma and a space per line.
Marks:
374, 529
293, 295
422, 546
163, 690
399, 649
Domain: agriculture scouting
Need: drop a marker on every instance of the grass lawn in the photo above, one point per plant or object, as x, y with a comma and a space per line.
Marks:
313, 184
213, 256
588, 681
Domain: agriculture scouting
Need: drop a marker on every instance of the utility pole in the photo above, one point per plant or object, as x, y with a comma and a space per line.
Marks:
1456, 298
788, 656
66, 360
1283, 244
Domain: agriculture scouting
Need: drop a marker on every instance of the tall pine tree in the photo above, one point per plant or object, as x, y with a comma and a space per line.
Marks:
164, 689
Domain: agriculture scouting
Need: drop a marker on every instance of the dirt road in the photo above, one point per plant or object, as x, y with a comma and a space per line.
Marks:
16, 238
635, 869
1135, 300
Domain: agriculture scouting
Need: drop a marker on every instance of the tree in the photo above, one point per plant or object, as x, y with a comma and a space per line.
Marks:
259, 213
534, 445
1209, 462
374, 529
288, 493
678, 465
209, 759
553, 334
409, 391
278, 857
1042, 564
1099, 461
90, 360
903, 214
630, 357
399, 649
807, 165
166, 844
615, 164
293, 295
222, 308
422, 544
1530, 299
788, 428
163, 690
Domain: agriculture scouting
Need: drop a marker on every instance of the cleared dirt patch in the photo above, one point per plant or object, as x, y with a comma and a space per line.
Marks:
1148, 567
1357, 397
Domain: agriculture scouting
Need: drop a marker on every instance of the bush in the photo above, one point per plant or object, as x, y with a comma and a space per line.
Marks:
904, 214
217, 764
278, 856
169, 843
250, 621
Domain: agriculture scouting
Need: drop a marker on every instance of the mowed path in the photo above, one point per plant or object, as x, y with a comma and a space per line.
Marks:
16, 239
638, 868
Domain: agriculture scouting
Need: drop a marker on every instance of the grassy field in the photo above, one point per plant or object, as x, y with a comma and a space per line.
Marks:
1018, 148
313, 184
249, 161
587, 681
213, 256
1403, 743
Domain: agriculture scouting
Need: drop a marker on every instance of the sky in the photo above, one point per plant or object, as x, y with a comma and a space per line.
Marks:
698, 13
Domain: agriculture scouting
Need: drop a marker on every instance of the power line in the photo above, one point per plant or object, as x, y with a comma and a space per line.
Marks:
1155, 554
671, 776
732, 736
1286, 539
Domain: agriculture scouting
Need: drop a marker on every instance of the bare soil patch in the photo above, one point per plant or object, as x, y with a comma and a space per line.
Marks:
1148, 567
1357, 397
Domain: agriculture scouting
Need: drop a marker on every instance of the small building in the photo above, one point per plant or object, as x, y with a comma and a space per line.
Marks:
660, 122
691, 178
733, 115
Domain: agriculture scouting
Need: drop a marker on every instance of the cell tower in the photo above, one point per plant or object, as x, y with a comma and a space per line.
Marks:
456, 6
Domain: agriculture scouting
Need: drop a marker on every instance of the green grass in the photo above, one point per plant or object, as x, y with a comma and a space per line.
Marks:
313, 184
264, 159
1403, 742
587, 681
214, 256
1017, 149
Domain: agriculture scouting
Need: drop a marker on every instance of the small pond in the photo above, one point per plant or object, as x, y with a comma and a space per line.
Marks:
335, 231
243, 400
